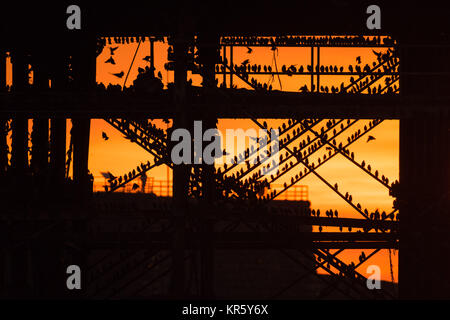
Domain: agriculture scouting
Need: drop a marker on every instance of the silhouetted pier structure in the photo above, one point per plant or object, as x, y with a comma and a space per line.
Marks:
49, 222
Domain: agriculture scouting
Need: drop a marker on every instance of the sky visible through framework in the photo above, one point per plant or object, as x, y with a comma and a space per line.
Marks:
120, 156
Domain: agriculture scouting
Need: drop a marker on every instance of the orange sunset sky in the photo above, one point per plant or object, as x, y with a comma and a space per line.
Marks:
119, 156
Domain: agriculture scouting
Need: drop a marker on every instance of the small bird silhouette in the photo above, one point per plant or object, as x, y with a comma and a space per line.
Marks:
147, 58
112, 49
159, 75
135, 186
110, 60
105, 136
118, 75
249, 50
245, 62
378, 54
358, 59
370, 138
111, 175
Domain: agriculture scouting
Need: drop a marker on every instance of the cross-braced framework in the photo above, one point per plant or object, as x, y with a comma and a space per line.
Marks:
246, 184
313, 70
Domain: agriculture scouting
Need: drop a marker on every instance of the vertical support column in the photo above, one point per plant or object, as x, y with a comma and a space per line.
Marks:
58, 153
19, 147
80, 136
224, 58
58, 126
19, 152
424, 172
19, 70
312, 69
231, 66
3, 148
152, 54
3, 121
39, 149
208, 54
30, 269
428, 76
39, 137
318, 71
84, 67
181, 172
424, 205
7, 267
2, 70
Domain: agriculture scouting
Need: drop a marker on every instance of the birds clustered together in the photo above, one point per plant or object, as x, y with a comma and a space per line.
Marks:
306, 40
144, 131
387, 63
144, 82
131, 39
312, 144
115, 182
253, 187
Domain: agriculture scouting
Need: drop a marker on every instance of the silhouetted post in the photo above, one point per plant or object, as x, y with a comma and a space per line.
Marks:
224, 57
80, 138
39, 136
3, 121
19, 70
209, 56
424, 175
58, 152
2, 70
19, 152
3, 147
318, 67
19, 146
312, 68
231, 66
180, 172
6, 260
58, 126
152, 54
424, 169
84, 64
39, 148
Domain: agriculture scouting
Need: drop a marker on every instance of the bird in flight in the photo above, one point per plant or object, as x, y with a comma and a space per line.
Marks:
110, 60
112, 49
147, 58
108, 175
249, 50
370, 138
118, 75
378, 54
358, 59
245, 62
105, 136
